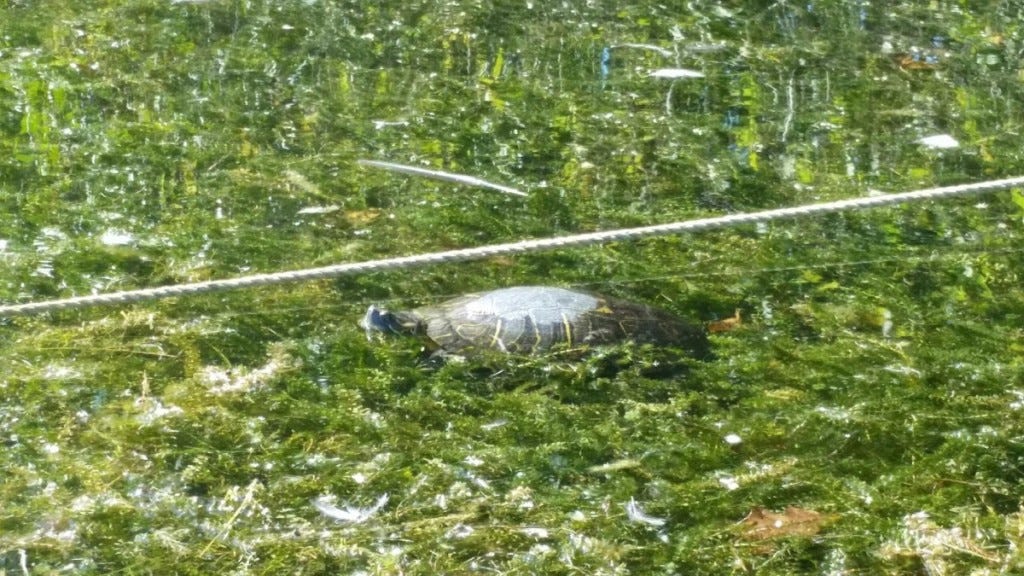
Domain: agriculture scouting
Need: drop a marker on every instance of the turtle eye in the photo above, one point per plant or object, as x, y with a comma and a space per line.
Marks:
386, 321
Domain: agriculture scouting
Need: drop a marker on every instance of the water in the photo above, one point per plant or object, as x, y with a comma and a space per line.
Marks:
874, 380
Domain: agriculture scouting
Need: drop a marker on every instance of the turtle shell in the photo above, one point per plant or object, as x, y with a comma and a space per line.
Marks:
527, 319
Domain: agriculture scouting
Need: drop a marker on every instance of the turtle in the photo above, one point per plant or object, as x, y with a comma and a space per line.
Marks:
535, 319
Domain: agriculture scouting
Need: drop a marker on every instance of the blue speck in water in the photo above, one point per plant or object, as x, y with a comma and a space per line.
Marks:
732, 118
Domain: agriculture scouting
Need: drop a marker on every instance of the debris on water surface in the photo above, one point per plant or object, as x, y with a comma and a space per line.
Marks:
349, 514
675, 73
763, 524
939, 142
726, 324
636, 514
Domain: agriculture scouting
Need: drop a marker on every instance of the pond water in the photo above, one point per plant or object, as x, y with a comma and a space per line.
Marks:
861, 414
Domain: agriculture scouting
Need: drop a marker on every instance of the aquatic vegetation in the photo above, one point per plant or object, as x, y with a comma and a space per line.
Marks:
862, 414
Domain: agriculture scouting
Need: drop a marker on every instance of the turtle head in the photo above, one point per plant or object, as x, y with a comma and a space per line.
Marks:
384, 321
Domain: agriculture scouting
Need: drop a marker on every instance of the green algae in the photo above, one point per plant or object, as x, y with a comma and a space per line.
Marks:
876, 378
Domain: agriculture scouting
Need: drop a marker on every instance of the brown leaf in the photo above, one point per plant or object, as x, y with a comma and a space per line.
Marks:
726, 324
912, 62
762, 524
362, 217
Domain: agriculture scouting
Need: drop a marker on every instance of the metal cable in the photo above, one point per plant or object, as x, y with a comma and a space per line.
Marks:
503, 249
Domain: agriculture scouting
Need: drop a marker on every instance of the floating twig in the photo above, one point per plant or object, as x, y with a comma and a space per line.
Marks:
651, 47
439, 175
674, 73
939, 142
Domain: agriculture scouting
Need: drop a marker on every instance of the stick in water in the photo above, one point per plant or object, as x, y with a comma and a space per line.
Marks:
438, 175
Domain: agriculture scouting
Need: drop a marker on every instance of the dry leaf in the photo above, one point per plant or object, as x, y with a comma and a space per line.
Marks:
362, 217
762, 524
912, 62
726, 324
